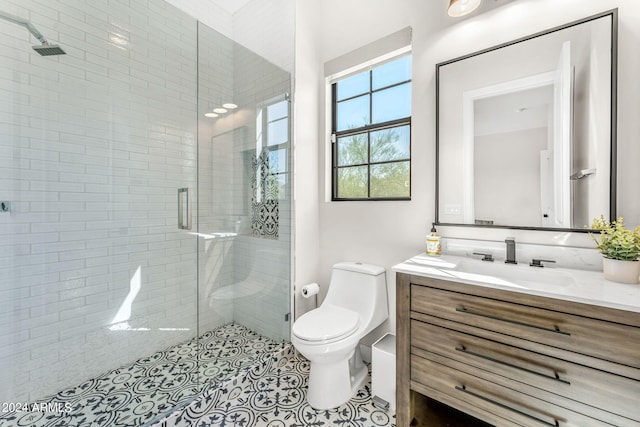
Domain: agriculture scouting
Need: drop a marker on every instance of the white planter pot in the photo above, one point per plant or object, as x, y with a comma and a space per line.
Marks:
621, 271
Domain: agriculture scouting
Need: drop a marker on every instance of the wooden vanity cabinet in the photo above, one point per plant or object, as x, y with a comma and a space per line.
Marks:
514, 359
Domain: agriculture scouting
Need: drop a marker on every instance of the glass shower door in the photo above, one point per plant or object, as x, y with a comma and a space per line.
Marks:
98, 280
244, 201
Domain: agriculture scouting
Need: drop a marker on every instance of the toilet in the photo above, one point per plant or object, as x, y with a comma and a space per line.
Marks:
328, 336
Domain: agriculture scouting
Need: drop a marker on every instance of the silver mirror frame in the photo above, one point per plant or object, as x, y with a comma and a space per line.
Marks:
613, 125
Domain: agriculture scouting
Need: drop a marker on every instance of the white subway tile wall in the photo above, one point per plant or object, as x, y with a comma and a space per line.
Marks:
94, 272
93, 146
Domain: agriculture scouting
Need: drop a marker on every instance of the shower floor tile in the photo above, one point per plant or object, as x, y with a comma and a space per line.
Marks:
137, 393
278, 399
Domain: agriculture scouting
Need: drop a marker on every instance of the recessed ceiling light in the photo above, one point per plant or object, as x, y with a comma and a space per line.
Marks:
210, 114
230, 106
220, 110
459, 8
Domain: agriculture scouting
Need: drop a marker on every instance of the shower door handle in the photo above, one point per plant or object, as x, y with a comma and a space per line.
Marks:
184, 210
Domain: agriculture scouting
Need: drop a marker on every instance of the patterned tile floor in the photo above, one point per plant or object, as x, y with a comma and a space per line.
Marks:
258, 382
137, 393
277, 398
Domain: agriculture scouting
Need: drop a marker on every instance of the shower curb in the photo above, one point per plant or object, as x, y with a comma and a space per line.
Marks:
217, 394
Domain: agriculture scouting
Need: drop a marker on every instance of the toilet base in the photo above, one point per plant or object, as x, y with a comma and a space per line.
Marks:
333, 384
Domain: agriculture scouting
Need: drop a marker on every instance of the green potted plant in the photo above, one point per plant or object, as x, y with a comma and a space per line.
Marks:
620, 248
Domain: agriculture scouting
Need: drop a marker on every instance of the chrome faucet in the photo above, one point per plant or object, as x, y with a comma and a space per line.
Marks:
511, 250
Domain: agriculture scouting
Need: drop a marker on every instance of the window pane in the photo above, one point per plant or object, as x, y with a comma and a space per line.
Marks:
390, 180
353, 113
278, 132
390, 144
353, 150
391, 104
392, 73
278, 160
277, 111
352, 182
271, 187
281, 181
354, 85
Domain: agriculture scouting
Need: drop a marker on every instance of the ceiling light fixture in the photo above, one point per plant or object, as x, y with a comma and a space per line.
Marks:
230, 106
210, 115
220, 110
459, 8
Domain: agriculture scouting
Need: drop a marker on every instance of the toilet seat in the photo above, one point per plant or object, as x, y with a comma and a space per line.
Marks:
326, 324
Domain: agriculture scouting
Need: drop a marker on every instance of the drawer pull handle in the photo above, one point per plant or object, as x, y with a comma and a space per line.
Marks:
463, 389
514, 322
555, 377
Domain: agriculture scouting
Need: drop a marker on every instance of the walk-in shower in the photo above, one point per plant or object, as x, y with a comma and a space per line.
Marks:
145, 248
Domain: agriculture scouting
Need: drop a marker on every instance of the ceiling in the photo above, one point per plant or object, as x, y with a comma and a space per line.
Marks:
485, 6
232, 6
520, 110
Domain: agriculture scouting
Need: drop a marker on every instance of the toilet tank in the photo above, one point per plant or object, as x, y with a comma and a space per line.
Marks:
362, 288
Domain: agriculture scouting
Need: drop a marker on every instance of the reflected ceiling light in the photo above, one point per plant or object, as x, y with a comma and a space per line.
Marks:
462, 7
220, 110
210, 115
230, 106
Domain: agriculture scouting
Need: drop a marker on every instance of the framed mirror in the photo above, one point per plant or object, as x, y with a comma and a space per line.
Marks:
526, 131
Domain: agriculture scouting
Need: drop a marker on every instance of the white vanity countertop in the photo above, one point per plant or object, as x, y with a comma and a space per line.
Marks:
568, 284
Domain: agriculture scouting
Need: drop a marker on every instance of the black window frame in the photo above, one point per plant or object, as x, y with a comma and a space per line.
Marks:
365, 130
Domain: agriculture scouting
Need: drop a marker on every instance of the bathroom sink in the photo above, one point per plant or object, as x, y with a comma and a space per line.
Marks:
520, 275
570, 284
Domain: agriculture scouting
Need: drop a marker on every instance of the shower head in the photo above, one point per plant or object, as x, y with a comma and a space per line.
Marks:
46, 49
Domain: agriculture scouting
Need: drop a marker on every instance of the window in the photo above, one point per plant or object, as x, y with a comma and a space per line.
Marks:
272, 146
269, 167
371, 133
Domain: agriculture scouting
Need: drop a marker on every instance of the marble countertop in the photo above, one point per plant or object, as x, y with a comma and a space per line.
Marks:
568, 284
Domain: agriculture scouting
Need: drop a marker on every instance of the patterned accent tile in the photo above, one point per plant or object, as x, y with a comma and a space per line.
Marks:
137, 393
264, 200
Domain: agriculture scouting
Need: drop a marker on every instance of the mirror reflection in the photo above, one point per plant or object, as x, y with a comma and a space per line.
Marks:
525, 130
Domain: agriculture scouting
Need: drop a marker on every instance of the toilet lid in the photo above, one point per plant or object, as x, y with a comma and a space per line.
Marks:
326, 323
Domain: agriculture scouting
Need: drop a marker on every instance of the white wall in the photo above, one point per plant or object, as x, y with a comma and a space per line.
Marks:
308, 86
507, 177
382, 233
388, 232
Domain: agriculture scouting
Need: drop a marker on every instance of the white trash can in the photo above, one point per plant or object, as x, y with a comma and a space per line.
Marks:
383, 372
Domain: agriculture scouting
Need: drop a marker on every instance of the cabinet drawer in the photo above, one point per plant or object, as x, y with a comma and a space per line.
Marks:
573, 386
597, 338
518, 408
